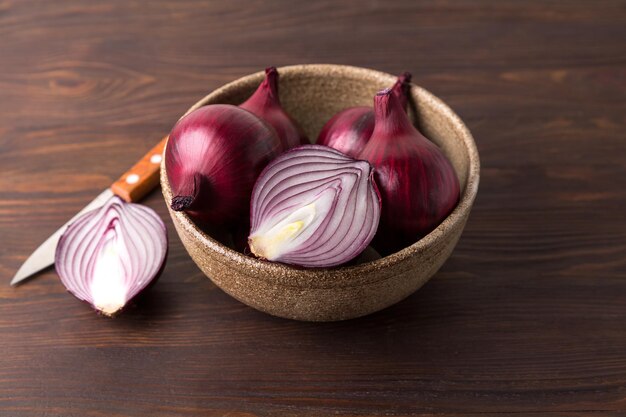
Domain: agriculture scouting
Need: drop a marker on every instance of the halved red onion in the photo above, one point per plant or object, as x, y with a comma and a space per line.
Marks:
110, 254
314, 206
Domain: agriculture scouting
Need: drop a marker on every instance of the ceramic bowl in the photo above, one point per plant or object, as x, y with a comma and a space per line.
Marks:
312, 94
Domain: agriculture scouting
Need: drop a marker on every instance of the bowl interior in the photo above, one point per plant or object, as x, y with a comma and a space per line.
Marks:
312, 94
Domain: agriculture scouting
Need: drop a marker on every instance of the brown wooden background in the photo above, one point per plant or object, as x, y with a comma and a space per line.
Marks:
528, 317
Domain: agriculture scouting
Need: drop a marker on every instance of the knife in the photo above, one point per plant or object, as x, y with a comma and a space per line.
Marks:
138, 181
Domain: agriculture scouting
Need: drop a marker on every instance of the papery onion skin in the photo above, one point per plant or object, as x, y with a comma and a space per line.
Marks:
314, 207
112, 253
418, 185
265, 103
213, 156
349, 130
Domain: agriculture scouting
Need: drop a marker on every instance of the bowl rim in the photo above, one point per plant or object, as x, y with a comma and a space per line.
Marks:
358, 272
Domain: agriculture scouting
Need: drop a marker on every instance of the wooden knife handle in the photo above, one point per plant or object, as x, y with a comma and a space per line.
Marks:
143, 177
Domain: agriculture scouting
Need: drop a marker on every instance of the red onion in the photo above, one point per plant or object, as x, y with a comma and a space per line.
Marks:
109, 255
349, 130
213, 156
266, 104
418, 185
313, 206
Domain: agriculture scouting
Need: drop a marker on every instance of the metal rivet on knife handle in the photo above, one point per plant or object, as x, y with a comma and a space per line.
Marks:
142, 177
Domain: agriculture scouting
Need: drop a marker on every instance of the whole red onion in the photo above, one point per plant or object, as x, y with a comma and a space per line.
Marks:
213, 157
266, 104
418, 185
349, 130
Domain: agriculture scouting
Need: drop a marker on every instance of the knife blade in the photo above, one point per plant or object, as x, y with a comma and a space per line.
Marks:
132, 186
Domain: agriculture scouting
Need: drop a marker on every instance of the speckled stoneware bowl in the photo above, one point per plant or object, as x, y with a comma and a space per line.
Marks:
312, 94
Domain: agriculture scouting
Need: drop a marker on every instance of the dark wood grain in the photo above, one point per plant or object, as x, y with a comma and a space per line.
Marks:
526, 318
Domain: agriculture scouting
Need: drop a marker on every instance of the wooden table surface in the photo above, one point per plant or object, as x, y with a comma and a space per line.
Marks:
528, 316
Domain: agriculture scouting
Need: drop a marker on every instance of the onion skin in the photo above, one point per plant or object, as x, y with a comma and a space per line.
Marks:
110, 255
213, 157
418, 185
349, 130
314, 207
265, 104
